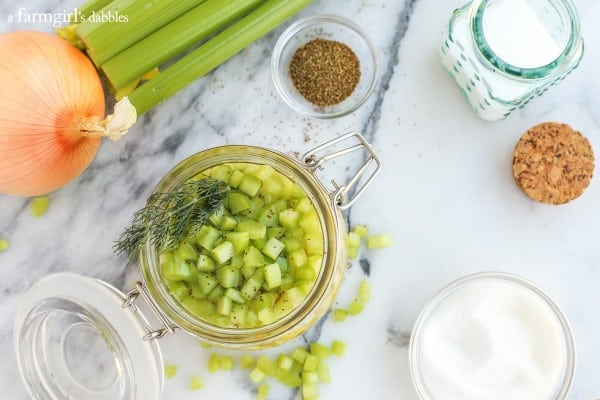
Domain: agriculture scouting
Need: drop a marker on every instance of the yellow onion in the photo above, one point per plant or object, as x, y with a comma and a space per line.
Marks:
51, 113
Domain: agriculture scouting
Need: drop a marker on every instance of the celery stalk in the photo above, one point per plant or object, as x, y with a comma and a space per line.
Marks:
86, 9
174, 38
136, 19
214, 52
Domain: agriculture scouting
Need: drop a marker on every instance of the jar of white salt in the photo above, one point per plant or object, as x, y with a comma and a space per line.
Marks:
492, 336
503, 53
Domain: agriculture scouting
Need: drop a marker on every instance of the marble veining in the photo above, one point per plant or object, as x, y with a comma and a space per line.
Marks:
445, 194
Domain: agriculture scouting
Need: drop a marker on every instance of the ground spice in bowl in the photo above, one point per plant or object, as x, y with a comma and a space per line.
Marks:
325, 72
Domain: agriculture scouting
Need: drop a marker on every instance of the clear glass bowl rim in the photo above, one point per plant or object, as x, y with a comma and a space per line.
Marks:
290, 32
413, 350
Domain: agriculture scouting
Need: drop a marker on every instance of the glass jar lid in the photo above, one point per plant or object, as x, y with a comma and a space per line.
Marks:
73, 339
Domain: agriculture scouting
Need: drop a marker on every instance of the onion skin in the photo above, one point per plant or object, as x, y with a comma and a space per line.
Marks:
48, 90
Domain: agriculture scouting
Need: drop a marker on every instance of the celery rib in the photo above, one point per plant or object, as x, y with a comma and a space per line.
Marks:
138, 19
214, 52
173, 39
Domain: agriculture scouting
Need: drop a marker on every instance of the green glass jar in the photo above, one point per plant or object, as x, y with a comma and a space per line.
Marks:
503, 53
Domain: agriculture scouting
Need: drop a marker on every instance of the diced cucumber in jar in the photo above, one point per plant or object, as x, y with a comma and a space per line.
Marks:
256, 258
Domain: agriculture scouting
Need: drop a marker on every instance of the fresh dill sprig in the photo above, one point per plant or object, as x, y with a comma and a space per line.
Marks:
167, 216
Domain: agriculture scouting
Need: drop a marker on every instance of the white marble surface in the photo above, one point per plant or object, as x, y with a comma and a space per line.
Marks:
446, 195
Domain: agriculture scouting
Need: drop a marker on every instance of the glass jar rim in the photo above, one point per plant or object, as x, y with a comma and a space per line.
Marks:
328, 280
63, 303
478, 8
414, 346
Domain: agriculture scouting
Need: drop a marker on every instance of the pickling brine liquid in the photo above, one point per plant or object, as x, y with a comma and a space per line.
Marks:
503, 53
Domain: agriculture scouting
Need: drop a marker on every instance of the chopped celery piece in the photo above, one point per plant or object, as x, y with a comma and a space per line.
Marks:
205, 263
361, 230
273, 248
250, 185
379, 241
313, 244
309, 391
228, 276
236, 178
221, 172
247, 361
239, 240
267, 365
256, 375
207, 237
299, 354
353, 239
319, 350
217, 216
186, 251
262, 392
253, 257
283, 305
269, 216
296, 296
207, 282
228, 223
255, 229
170, 371
216, 293
223, 252
304, 205
305, 273
310, 363
285, 362
352, 253
355, 307
309, 222
310, 377
238, 202
292, 380
39, 206
238, 314
226, 363
234, 295
196, 383
178, 289
297, 258
275, 232
266, 316
201, 308
323, 373
339, 314
364, 291
177, 270
272, 275
250, 289
214, 362
291, 244
338, 348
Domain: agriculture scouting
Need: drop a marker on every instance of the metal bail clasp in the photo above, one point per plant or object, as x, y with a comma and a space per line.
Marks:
313, 161
129, 302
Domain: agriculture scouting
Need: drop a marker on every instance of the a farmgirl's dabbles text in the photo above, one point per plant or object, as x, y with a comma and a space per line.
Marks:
257, 257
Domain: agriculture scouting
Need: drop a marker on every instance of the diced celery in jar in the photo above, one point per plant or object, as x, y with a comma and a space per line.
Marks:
255, 259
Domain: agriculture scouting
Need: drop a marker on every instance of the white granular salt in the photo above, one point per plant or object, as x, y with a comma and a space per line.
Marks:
492, 340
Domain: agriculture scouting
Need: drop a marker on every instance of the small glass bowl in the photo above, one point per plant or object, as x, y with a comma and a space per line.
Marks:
328, 27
